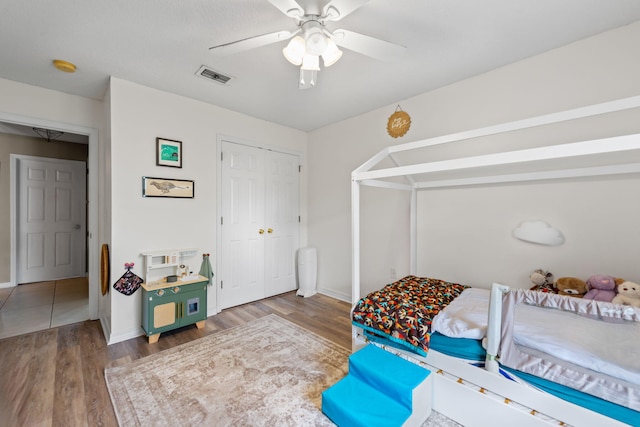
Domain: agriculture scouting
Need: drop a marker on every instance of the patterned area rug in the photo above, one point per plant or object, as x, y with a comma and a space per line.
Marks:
268, 372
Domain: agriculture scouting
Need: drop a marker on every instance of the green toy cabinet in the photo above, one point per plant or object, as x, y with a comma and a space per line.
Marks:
171, 305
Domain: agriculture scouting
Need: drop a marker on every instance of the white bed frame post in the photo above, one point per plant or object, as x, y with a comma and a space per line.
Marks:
494, 327
356, 344
355, 240
413, 229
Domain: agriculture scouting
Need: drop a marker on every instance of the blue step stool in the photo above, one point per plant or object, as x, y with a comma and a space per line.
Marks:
381, 389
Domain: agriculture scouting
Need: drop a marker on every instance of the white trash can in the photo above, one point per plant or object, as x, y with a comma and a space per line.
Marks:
307, 272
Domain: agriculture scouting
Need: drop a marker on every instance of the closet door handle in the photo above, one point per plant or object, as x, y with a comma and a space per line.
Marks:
270, 230
261, 231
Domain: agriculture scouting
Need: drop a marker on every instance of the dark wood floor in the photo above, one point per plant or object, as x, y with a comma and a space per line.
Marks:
56, 377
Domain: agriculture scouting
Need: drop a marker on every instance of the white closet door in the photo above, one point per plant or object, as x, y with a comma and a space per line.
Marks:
51, 224
282, 221
243, 245
259, 230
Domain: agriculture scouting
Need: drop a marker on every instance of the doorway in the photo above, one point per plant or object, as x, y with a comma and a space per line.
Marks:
91, 262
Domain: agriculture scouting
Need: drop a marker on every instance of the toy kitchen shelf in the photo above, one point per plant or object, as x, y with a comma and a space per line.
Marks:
157, 263
169, 305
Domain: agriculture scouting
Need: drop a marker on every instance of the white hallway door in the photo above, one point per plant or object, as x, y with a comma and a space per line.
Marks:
259, 224
51, 219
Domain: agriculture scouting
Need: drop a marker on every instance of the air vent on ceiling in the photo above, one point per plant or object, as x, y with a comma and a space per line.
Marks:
213, 75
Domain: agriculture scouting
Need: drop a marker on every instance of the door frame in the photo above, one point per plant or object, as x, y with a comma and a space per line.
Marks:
92, 200
215, 308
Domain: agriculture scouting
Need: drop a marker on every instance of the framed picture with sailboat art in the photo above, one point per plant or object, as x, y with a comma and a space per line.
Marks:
167, 187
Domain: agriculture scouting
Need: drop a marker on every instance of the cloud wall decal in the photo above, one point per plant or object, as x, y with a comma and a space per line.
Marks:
539, 232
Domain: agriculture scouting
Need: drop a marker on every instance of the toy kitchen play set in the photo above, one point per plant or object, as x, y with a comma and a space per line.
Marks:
173, 295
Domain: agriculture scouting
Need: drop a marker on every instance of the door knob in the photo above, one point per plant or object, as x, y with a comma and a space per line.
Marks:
270, 230
77, 226
261, 231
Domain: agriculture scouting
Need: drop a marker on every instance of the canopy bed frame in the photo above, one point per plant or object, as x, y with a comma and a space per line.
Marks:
463, 392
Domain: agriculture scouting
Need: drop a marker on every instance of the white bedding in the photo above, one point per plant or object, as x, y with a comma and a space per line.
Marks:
605, 347
465, 316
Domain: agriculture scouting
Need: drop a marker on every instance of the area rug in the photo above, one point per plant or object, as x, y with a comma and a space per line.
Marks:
269, 372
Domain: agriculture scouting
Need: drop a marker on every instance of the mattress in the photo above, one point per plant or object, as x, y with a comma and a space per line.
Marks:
461, 348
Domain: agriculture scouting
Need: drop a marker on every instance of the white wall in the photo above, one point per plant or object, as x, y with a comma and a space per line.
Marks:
44, 104
468, 239
139, 115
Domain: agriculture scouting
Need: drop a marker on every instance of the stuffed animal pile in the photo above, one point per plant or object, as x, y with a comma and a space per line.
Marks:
599, 287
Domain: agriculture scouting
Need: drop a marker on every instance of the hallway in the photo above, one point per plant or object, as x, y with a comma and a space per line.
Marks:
43, 305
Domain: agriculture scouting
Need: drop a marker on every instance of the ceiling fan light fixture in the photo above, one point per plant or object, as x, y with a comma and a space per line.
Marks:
294, 51
311, 63
331, 54
315, 39
312, 40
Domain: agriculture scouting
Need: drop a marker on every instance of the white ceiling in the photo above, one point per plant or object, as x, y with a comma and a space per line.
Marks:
162, 43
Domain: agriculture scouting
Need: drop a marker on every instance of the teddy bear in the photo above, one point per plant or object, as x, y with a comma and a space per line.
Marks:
601, 287
571, 286
628, 294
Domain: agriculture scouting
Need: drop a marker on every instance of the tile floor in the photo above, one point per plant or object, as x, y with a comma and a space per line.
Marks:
43, 305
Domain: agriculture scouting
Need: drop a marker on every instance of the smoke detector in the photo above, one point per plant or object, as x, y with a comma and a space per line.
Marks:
64, 66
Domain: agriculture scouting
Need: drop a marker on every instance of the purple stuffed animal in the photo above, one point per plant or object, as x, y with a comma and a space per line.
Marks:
600, 287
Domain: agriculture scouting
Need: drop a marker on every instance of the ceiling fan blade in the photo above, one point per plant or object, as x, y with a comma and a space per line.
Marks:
343, 8
251, 43
366, 45
290, 8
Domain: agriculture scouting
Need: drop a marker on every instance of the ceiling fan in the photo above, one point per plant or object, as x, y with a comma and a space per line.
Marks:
311, 40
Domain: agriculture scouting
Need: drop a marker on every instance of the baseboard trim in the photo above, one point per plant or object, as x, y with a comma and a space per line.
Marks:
337, 295
106, 331
6, 285
124, 337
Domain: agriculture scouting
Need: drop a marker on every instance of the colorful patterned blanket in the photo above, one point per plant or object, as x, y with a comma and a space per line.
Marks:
401, 312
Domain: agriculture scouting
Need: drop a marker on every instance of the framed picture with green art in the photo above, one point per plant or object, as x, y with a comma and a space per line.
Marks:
168, 153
